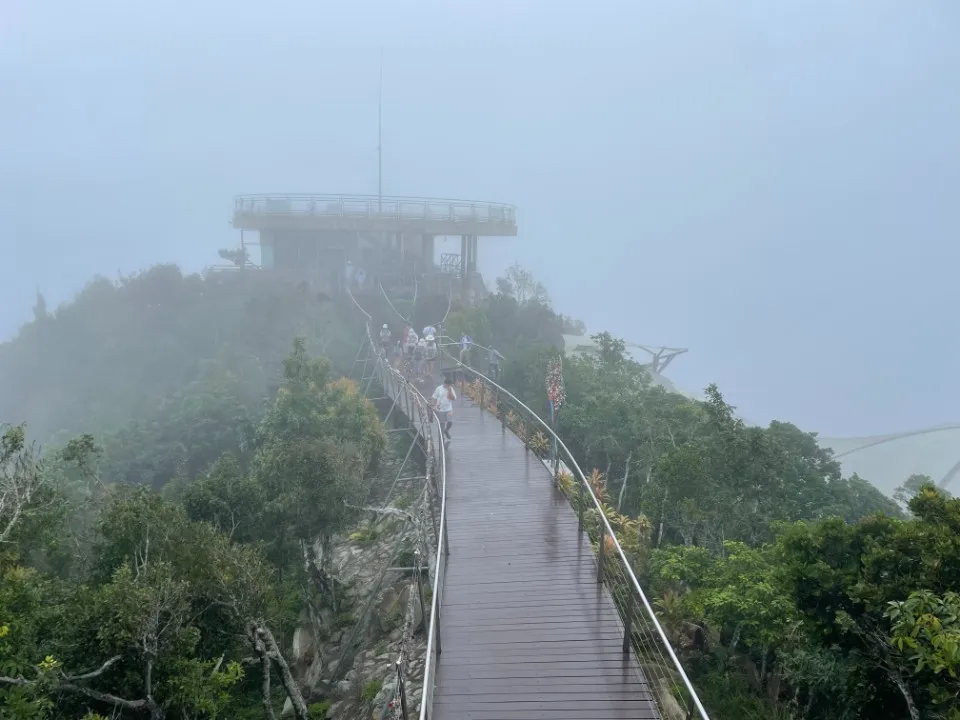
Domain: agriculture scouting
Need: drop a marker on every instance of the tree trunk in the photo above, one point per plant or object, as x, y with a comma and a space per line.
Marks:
663, 512
623, 486
290, 685
905, 691
265, 685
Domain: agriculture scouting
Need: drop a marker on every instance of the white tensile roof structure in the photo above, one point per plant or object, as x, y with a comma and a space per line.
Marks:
883, 460
888, 460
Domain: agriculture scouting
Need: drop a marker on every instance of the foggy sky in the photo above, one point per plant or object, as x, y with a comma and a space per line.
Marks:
773, 185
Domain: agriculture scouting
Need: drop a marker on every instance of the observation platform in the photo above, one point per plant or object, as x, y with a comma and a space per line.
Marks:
370, 213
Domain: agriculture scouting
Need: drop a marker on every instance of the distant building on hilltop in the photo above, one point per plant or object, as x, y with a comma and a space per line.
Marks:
312, 238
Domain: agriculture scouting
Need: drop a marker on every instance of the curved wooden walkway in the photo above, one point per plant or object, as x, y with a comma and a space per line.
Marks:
527, 632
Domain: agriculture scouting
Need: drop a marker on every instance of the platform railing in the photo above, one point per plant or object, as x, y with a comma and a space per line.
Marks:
427, 425
617, 542
372, 206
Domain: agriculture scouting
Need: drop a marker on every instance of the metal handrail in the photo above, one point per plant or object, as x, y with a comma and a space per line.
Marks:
437, 453
451, 342
413, 208
606, 532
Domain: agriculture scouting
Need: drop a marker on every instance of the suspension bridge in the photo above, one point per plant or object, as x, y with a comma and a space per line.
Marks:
534, 608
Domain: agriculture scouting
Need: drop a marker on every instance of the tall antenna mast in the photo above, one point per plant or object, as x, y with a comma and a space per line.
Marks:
380, 142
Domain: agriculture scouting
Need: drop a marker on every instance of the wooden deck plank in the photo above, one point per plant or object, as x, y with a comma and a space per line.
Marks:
527, 631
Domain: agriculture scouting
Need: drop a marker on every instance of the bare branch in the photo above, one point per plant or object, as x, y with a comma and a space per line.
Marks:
94, 673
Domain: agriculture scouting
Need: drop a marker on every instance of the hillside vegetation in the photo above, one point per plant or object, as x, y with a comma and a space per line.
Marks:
196, 455
818, 596
153, 564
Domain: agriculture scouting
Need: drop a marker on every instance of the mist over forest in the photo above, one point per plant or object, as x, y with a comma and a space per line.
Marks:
257, 466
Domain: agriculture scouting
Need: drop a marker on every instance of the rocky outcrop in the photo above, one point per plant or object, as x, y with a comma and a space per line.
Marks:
346, 659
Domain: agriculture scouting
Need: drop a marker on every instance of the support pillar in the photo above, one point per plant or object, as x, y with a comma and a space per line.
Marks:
428, 249
473, 253
464, 268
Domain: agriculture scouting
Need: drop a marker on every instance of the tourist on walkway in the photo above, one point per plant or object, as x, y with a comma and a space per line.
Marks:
443, 398
419, 357
466, 342
494, 358
410, 344
431, 355
397, 354
385, 338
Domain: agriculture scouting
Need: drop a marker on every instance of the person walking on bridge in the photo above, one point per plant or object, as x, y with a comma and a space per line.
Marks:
432, 352
410, 341
443, 398
385, 338
419, 357
494, 358
466, 342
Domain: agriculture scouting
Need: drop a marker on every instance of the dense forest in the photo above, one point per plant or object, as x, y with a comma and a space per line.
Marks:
175, 442
819, 596
152, 550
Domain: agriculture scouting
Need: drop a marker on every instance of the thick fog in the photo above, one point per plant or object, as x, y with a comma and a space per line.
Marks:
773, 185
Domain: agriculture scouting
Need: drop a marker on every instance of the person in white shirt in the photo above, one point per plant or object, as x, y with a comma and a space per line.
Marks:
420, 357
431, 355
465, 343
411, 342
442, 399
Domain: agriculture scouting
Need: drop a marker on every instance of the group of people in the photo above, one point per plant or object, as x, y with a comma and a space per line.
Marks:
423, 351
493, 356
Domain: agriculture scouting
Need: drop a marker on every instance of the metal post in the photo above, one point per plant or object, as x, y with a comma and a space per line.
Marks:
406, 457
483, 387
392, 391
439, 647
580, 508
600, 556
433, 514
627, 621
401, 690
423, 599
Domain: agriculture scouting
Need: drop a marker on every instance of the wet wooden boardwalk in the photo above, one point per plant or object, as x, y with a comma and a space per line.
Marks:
527, 632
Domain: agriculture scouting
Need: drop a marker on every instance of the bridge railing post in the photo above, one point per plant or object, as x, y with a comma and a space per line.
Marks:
601, 552
402, 689
580, 504
627, 621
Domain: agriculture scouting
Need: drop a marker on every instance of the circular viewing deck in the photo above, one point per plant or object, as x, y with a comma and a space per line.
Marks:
370, 213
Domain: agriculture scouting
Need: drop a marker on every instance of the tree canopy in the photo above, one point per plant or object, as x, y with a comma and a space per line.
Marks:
201, 450
817, 595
